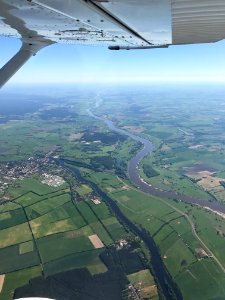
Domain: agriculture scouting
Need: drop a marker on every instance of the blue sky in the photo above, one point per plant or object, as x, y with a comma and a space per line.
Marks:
63, 63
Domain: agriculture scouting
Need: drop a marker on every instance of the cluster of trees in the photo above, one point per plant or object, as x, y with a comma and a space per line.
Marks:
149, 171
107, 138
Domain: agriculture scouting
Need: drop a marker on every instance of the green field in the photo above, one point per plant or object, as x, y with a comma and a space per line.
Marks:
50, 231
65, 218
15, 235
12, 259
46, 206
16, 279
26, 247
51, 249
84, 189
88, 259
173, 235
31, 189
12, 218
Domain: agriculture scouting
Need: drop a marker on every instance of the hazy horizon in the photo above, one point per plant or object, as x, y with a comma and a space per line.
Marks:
62, 63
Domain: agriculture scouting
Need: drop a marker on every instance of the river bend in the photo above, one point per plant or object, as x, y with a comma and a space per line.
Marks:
144, 186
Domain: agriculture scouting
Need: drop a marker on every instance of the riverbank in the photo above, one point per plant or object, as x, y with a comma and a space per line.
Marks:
164, 279
135, 178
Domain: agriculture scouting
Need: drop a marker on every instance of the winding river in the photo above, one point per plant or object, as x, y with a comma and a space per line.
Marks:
164, 279
144, 186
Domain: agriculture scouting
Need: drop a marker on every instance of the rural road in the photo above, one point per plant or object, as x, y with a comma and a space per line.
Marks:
143, 186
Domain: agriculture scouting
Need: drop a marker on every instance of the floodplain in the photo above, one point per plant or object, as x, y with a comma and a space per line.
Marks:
51, 230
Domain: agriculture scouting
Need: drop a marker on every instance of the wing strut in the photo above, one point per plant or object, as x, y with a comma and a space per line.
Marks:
26, 51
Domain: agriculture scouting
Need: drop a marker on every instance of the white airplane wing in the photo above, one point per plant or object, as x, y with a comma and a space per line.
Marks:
118, 24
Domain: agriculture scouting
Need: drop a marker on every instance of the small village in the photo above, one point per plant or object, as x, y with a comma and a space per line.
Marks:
12, 171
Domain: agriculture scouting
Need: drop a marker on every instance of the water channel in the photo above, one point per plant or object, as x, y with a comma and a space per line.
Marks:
144, 186
163, 277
